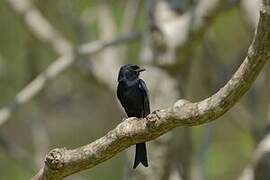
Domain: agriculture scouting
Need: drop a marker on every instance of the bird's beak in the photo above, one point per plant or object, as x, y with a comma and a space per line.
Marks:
140, 70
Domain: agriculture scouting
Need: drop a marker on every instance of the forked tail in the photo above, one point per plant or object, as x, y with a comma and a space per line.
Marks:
140, 155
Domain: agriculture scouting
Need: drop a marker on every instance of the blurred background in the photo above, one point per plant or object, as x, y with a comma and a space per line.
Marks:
58, 66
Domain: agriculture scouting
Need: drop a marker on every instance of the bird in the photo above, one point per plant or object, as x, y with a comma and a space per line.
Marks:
134, 97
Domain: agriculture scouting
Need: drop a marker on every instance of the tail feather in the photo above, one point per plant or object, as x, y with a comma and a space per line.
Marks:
140, 155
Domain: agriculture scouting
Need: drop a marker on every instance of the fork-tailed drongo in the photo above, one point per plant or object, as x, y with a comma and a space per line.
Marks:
133, 95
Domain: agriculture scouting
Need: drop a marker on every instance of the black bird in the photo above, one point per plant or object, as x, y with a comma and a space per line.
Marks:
133, 96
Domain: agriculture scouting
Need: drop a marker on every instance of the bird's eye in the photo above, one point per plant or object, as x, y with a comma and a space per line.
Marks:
135, 67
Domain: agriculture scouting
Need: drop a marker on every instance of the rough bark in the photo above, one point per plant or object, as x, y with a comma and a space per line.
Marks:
60, 163
160, 149
171, 31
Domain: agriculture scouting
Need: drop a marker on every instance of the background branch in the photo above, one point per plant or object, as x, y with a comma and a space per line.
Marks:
57, 67
183, 61
177, 32
62, 162
258, 169
39, 26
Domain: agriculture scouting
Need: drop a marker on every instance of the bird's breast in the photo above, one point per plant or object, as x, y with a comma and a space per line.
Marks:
131, 99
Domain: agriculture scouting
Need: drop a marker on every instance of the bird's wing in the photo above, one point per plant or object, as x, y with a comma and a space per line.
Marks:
144, 90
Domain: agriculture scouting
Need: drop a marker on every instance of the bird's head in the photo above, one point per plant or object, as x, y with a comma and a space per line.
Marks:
129, 72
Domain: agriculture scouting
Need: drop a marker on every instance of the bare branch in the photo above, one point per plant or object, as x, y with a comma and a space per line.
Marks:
258, 169
200, 168
38, 25
131, 13
45, 32
178, 32
250, 10
40, 140
60, 163
56, 68
108, 59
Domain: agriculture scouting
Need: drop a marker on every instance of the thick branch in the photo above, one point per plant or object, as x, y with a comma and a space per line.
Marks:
60, 163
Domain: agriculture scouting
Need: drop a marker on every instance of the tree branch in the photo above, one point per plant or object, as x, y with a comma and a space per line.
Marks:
39, 26
176, 33
56, 68
44, 31
60, 163
250, 9
258, 169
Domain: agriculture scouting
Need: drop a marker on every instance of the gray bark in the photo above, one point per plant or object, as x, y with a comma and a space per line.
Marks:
60, 163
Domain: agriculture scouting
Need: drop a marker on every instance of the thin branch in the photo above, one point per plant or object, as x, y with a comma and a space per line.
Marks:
250, 10
130, 15
202, 153
40, 140
39, 26
60, 163
99, 45
56, 68
177, 33
108, 59
258, 169
16, 152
